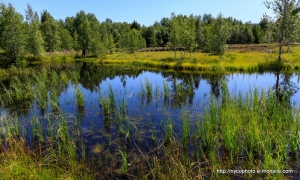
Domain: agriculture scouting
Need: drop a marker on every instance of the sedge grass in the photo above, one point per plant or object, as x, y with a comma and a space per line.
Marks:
166, 89
257, 123
79, 96
169, 131
186, 128
124, 165
148, 87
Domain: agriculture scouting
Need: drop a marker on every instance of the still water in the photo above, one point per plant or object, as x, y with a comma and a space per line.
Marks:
171, 93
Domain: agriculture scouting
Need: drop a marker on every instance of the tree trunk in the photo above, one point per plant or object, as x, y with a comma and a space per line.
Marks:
277, 88
280, 50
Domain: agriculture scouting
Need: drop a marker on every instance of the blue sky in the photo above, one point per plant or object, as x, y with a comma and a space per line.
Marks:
146, 12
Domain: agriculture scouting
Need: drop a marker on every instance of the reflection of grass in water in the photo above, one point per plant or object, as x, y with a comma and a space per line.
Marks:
111, 96
166, 89
119, 120
148, 87
127, 127
54, 78
143, 91
63, 76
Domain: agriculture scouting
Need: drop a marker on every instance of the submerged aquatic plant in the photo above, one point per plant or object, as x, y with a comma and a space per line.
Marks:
169, 130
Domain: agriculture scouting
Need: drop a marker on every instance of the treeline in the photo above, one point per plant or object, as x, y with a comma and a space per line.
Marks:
83, 32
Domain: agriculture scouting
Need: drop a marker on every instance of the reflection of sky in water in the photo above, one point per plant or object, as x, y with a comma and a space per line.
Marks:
139, 108
244, 82
152, 113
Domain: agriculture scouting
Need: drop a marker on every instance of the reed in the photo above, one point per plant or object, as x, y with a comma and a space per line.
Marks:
79, 96
166, 89
111, 96
127, 128
8, 95
124, 163
143, 90
169, 130
17, 89
107, 105
148, 87
186, 128
54, 100
54, 78
118, 120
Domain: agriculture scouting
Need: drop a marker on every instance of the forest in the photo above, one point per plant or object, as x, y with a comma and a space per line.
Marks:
35, 34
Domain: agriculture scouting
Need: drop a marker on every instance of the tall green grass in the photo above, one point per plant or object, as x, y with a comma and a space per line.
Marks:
166, 89
79, 96
186, 128
256, 124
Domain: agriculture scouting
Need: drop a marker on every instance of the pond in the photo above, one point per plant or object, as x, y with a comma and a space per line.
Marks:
109, 110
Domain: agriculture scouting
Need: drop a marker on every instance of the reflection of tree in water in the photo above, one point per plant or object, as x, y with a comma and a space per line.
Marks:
182, 87
123, 80
92, 75
184, 84
215, 82
284, 87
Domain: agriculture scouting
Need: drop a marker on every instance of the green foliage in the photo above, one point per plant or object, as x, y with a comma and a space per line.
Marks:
217, 36
199, 39
95, 45
258, 34
131, 40
83, 30
12, 34
285, 22
50, 32
189, 34
66, 40
34, 39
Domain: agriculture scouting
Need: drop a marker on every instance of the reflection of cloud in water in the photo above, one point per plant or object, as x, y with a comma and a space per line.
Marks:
130, 94
85, 131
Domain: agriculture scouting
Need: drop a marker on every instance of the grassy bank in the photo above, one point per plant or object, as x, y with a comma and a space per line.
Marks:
232, 61
247, 58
